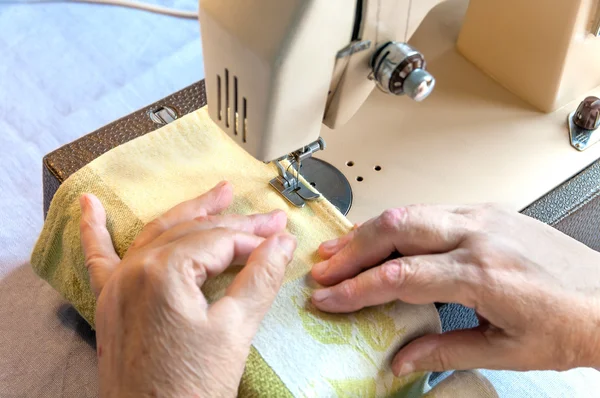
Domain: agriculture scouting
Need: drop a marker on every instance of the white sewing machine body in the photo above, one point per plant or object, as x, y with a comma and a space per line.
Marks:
281, 74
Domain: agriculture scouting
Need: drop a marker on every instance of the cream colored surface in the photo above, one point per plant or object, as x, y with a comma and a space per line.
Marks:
470, 141
283, 54
383, 21
282, 57
582, 69
417, 11
542, 51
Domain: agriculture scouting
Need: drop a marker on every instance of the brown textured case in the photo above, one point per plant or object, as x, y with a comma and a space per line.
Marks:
61, 163
573, 207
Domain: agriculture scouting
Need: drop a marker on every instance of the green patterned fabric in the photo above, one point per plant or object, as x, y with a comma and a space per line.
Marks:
298, 351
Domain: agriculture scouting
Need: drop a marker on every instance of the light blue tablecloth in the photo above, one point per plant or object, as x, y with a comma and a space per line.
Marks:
66, 70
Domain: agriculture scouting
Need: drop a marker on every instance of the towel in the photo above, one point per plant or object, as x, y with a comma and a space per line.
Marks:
298, 350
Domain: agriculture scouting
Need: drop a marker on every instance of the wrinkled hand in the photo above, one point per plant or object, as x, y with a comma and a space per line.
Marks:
535, 290
156, 333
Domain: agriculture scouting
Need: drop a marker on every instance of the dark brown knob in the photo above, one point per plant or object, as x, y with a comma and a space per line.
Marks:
587, 115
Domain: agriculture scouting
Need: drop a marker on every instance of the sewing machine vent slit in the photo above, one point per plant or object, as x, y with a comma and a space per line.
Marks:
245, 119
219, 110
227, 109
235, 105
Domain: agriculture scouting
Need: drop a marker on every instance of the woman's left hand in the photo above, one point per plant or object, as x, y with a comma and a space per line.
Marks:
156, 333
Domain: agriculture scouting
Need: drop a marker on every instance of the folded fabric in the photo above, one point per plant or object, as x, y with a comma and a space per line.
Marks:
298, 350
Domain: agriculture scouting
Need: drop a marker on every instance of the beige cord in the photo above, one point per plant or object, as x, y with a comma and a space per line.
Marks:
144, 6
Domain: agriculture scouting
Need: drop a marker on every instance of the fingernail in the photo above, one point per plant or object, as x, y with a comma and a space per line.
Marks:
277, 213
406, 369
330, 245
221, 184
87, 213
85, 203
321, 294
320, 268
287, 242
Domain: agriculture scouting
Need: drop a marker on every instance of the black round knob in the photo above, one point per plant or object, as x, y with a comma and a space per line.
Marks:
587, 115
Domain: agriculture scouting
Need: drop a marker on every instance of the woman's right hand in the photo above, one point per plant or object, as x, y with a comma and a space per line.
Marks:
535, 290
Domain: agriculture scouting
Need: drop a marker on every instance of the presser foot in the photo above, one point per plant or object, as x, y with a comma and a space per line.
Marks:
296, 196
288, 182
330, 182
289, 186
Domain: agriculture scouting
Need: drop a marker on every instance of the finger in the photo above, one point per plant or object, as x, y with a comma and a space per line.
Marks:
194, 258
416, 280
212, 251
411, 230
476, 348
331, 247
256, 286
212, 202
263, 225
99, 254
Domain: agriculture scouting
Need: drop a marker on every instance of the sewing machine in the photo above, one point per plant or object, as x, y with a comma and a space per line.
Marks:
499, 116
456, 102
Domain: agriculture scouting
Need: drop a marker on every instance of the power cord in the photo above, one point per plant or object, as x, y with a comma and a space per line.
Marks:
144, 6
122, 3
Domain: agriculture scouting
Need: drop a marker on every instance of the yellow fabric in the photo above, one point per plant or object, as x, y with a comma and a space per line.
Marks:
298, 350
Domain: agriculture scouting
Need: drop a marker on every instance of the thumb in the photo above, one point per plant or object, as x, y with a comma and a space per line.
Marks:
99, 253
481, 347
258, 283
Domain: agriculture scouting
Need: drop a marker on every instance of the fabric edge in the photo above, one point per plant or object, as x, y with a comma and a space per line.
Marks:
261, 380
